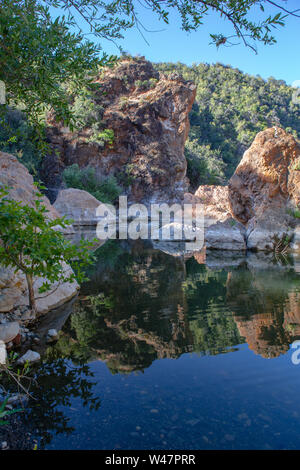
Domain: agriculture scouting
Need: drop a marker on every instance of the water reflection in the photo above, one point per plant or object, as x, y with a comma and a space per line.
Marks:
266, 308
142, 304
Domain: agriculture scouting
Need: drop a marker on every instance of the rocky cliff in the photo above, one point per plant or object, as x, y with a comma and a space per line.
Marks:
264, 191
146, 116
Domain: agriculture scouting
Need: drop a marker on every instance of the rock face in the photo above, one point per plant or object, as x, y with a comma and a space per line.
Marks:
265, 188
16, 176
148, 114
261, 198
77, 205
13, 287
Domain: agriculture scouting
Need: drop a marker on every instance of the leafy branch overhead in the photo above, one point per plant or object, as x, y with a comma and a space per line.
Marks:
48, 45
109, 19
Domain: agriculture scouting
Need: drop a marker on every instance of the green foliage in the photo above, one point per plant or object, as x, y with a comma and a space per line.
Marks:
146, 84
46, 58
4, 412
294, 213
297, 213
41, 52
204, 165
231, 108
85, 110
39, 55
126, 177
106, 136
19, 138
30, 242
297, 166
106, 191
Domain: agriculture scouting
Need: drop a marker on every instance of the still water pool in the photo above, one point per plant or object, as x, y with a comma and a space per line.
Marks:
164, 351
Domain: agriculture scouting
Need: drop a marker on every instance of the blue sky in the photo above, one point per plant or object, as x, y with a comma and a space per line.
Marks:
171, 44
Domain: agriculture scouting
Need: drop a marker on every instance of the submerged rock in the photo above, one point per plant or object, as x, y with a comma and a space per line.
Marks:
30, 357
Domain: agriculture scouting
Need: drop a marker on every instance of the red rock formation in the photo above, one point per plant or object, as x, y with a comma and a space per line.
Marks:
266, 175
16, 176
266, 188
150, 125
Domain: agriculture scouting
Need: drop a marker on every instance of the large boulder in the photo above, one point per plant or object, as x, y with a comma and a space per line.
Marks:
78, 205
13, 287
147, 113
9, 331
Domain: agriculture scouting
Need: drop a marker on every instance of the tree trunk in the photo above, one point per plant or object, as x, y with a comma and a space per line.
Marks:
32, 303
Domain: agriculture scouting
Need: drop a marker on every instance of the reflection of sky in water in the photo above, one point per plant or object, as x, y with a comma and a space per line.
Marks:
179, 351
229, 401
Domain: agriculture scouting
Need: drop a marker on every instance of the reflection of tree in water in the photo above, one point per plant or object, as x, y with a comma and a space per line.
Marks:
142, 304
149, 305
56, 383
262, 305
213, 327
138, 315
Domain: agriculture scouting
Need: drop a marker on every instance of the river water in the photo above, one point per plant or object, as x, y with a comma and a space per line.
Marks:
169, 351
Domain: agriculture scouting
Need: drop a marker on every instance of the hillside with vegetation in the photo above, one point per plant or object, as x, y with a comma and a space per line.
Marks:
231, 107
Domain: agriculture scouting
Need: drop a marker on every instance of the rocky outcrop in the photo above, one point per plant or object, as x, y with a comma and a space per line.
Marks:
262, 197
13, 287
265, 189
147, 114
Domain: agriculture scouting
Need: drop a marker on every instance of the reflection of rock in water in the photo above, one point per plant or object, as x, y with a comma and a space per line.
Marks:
267, 313
264, 335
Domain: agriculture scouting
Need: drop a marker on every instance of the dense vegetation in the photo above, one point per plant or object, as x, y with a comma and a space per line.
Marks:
106, 191
230, 108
